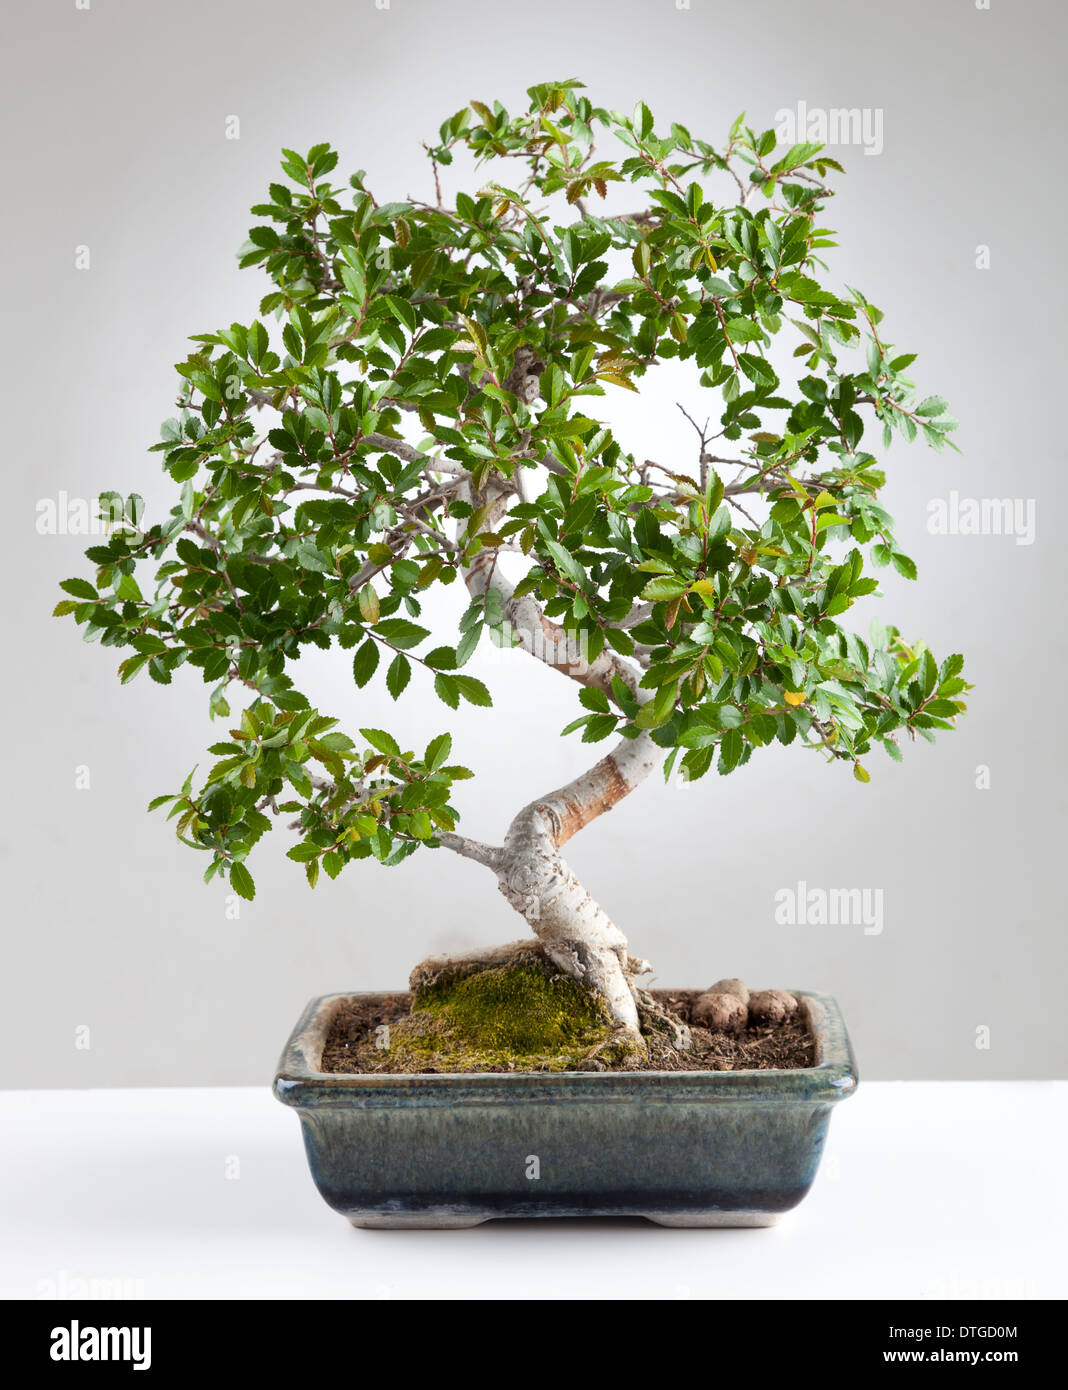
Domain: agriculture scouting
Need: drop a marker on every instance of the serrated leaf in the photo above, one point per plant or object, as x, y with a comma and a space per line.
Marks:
383, 741
365, 662
242, 882
664, 588
446, 689
79, 588
473, 690
904, 565
730, 749
368, 604
566, 563
437, 750
398, 675
303, 853
399, 632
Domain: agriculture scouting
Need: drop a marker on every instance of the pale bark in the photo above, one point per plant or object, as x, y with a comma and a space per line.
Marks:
576, 932
538, 635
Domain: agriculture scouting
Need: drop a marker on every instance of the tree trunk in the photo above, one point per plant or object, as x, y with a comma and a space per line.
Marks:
574, 929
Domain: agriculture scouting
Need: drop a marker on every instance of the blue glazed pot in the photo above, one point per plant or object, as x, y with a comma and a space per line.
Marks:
706, 1148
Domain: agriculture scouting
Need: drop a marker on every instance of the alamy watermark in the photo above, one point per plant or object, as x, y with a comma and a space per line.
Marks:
837, 125
64, 515
78, 1343
803, 906
554, 646
982, 516
64, 1285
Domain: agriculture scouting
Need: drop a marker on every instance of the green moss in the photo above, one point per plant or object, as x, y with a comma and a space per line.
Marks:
518, 1008
615, 1053
523, 1016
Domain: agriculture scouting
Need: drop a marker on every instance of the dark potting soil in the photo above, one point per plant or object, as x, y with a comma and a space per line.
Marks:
354, 1043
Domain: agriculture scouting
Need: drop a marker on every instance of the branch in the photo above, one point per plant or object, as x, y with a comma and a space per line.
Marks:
637, 615
538, 635
403, 450
489, 855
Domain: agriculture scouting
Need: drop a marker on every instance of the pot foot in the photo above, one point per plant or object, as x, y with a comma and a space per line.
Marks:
428, 1221
722, 1219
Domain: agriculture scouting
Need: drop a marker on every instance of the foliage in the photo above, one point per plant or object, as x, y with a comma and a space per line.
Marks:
335, 465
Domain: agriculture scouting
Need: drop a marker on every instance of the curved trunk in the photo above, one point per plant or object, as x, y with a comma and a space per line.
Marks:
533, 875
575, 931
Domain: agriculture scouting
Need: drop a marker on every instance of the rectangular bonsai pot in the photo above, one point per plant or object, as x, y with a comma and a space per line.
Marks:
707, 1148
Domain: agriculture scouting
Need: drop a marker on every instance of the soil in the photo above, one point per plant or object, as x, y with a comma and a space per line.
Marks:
354, 1046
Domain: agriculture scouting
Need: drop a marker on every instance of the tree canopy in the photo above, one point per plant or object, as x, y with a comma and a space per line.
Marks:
419, 397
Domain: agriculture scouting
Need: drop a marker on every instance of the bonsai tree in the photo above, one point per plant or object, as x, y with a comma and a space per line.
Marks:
417, 405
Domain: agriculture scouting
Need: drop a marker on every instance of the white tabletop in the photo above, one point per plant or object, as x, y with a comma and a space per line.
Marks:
928, 1190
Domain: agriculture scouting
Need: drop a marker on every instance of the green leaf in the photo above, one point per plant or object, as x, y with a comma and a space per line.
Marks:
398, 675
365, 662
566, 563
447, 690
730, 750
929, 673
257, 342
384, 742
299, 778
741, 330
642, 120
399, 632
130, 667
599, 726
904, 565
79, 588
659, 709
402, 311
472, 690
437, 750
312, 559
242, 882
304, 852
664, 588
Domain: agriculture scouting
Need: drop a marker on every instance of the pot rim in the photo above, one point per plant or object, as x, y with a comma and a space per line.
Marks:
299, 1082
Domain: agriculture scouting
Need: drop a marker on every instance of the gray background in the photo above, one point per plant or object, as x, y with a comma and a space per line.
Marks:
113, 127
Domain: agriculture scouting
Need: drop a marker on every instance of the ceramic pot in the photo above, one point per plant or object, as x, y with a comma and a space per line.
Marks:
704, 1148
